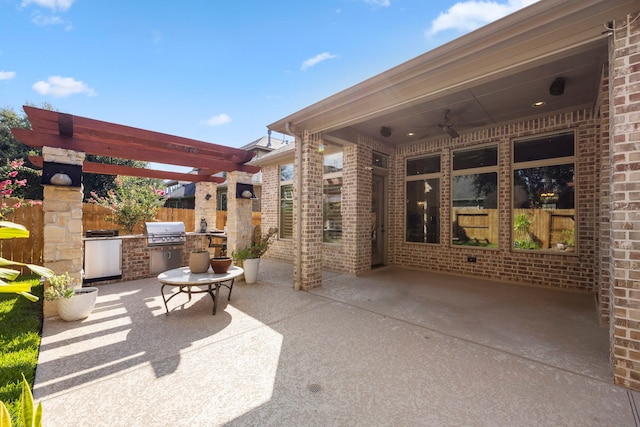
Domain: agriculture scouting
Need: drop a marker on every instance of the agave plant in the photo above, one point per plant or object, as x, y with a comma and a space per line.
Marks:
30, 414
11, 230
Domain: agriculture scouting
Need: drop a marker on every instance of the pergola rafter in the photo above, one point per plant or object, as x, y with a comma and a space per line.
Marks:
61, 130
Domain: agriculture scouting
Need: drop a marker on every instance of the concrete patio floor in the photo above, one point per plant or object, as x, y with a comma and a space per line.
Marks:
393, 347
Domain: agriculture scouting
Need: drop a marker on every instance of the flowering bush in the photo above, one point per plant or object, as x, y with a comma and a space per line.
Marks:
9, 199
134, 200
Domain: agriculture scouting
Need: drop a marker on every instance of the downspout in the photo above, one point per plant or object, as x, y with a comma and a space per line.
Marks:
296, 283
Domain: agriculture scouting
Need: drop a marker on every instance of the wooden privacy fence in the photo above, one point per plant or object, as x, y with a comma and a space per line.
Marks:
93, 218
548, 226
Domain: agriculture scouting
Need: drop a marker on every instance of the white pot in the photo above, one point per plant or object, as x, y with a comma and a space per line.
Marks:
79, 306
250, 267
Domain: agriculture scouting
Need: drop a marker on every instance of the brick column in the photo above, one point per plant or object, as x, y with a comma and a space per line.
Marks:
239, 214
624, 59
205, 208
62, 207
309, 274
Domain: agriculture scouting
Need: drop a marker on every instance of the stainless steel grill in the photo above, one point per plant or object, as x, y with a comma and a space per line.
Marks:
165, 233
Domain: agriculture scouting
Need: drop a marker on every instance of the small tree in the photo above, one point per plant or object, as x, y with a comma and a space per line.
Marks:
134, 201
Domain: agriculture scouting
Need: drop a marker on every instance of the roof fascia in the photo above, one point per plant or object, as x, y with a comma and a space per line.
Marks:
540, 30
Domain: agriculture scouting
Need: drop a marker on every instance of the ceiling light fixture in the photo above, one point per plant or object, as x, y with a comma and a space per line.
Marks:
538, 104
557, 87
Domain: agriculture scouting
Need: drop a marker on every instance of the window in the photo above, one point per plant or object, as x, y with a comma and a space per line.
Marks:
332, 198
543, 193
422, 182
285, 229
474, 190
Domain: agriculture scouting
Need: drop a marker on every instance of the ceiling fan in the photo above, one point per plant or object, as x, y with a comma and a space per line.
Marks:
447, 126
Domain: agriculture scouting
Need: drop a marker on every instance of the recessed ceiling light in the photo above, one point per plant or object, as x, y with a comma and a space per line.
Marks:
538, 104
410, 134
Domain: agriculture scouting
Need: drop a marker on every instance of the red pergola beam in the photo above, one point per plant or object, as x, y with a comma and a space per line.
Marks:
110, 149
53, 122
109, 169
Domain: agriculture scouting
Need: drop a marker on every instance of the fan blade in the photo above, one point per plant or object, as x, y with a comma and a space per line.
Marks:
452, 132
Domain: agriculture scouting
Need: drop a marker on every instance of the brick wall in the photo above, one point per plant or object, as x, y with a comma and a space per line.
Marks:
624, 237
567, 271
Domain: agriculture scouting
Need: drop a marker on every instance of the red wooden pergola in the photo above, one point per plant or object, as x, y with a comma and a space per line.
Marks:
61, 130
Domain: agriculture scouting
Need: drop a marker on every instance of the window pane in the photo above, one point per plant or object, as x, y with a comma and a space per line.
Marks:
423, 165
333, 163
423, 211
286, 172
468, 159
380, 160
548, 147
331, 210
286, 212
475, 213
544, 208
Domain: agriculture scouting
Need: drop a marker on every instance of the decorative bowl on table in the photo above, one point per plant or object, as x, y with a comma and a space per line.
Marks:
221, 264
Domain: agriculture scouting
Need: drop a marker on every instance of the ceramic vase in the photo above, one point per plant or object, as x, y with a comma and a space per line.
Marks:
199, 262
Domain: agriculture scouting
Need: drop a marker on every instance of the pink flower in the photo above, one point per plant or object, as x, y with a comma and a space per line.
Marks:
21, 183
13, 174
15, 164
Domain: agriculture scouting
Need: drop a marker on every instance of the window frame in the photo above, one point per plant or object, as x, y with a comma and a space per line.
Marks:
478, 170
554, 161
339, 173
423, 177
283, 183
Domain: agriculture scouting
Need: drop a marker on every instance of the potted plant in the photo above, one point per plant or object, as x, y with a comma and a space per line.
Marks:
73, 303
249, 257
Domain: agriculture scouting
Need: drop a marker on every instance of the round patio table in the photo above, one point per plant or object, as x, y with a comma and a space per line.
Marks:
190, 283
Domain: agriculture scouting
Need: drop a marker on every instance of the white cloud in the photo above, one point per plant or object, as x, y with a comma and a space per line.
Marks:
468, 15
379, 3
61, 87
7, 75
50, 4
316, 60
218, 120
43, 21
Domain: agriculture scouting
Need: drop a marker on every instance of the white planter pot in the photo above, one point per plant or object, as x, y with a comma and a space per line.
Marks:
250, 267
79, 306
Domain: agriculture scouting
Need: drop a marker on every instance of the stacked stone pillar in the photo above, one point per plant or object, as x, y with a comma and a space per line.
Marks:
205, 208
239, 213
62, 207
624, 59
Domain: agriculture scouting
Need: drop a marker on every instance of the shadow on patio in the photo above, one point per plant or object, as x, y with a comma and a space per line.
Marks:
393, 347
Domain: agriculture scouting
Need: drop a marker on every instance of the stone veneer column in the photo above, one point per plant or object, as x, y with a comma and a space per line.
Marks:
239, 213
309, 275
205, 208
624, 59
62, 207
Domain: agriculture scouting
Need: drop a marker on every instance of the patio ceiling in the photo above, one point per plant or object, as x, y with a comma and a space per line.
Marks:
488, 77
60, 130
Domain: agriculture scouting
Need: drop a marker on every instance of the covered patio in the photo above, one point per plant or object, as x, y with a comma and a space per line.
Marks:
391, 347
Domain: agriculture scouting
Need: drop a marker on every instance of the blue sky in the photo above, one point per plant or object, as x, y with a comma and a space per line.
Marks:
216, 71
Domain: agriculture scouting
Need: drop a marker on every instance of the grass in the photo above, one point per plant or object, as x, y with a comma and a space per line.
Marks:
20, 332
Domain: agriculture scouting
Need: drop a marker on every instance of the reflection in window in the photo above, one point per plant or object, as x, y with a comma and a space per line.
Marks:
423, 211
285, 229
332, 198
475, 209
422, 186
474, 194
544, 193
